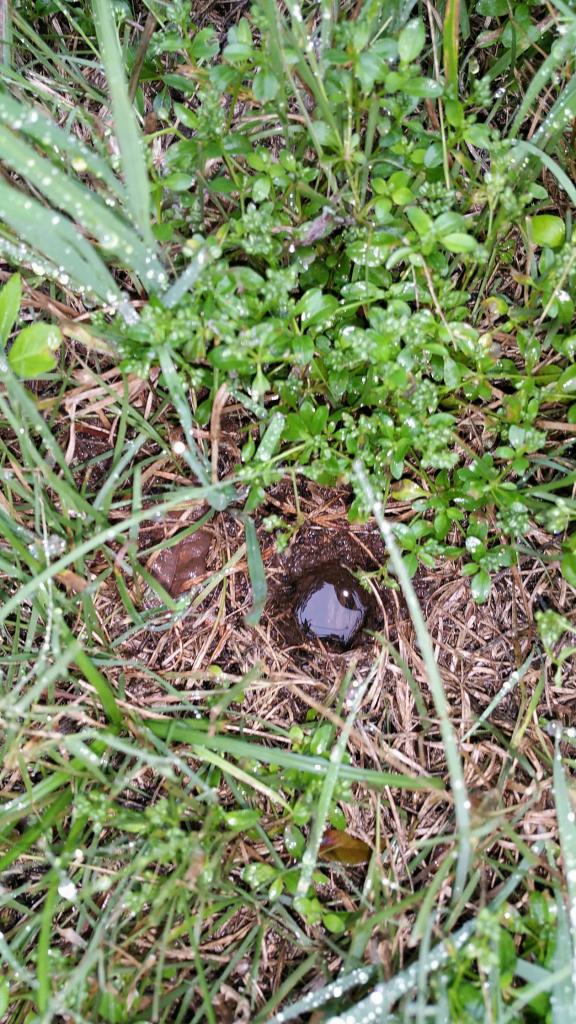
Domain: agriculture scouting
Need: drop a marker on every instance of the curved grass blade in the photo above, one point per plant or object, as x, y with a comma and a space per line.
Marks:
126, 129
523, 148
96, 679
461, 804
88, 209
558, 118
34, 123
183, 284
563, 46
514, 678
60, 243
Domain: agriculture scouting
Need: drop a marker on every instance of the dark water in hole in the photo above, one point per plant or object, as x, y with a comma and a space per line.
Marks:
330, 605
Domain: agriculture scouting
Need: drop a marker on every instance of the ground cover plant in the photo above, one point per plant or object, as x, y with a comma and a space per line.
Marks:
286, 285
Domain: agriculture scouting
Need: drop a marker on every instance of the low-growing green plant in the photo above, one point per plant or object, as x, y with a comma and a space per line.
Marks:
355, 222
349, 239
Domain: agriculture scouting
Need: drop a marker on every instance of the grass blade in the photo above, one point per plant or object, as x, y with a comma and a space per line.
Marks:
257, 574
388, 992
563, 46
36, 125
523, 148
70, 257
183, 731
67, 194
127, 134
173, 381
567, 830
310, 855
450, 40
454, 763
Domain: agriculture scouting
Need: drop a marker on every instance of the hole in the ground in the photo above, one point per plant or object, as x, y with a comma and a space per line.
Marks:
330, 605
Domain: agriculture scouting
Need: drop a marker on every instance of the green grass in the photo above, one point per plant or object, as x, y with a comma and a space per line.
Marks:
320, 274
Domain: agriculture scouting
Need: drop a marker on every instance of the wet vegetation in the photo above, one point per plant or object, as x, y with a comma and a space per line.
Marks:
287, 546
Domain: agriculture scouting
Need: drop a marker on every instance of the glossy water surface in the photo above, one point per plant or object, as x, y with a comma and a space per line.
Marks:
330, 605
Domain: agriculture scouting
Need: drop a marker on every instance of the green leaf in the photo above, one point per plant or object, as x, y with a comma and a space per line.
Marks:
568, 566
316, 308
265, 86
419, 220
242, 819
411, 40
423, 87
10, 298
271, 439
261, 189
178, 182
33, 350
222, 185
334, 923
459, 241
369, 68
204, 45
567, 380
546, 230
480, 586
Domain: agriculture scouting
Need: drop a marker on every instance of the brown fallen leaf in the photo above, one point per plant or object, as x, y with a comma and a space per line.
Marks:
178, 567
343, 848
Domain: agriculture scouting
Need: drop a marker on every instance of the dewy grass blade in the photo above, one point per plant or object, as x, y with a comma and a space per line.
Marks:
334, 766
513, 679
183, 731
458, 785
69, 195
200, 260
126, 128
563, 995
96, 679
558, 118
564, 45
178, 499
388, 992
70, 256
38, 126
522, 149
567, 829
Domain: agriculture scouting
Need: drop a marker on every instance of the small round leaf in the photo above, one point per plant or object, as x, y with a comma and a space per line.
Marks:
34, 348
546, 230
411, 40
